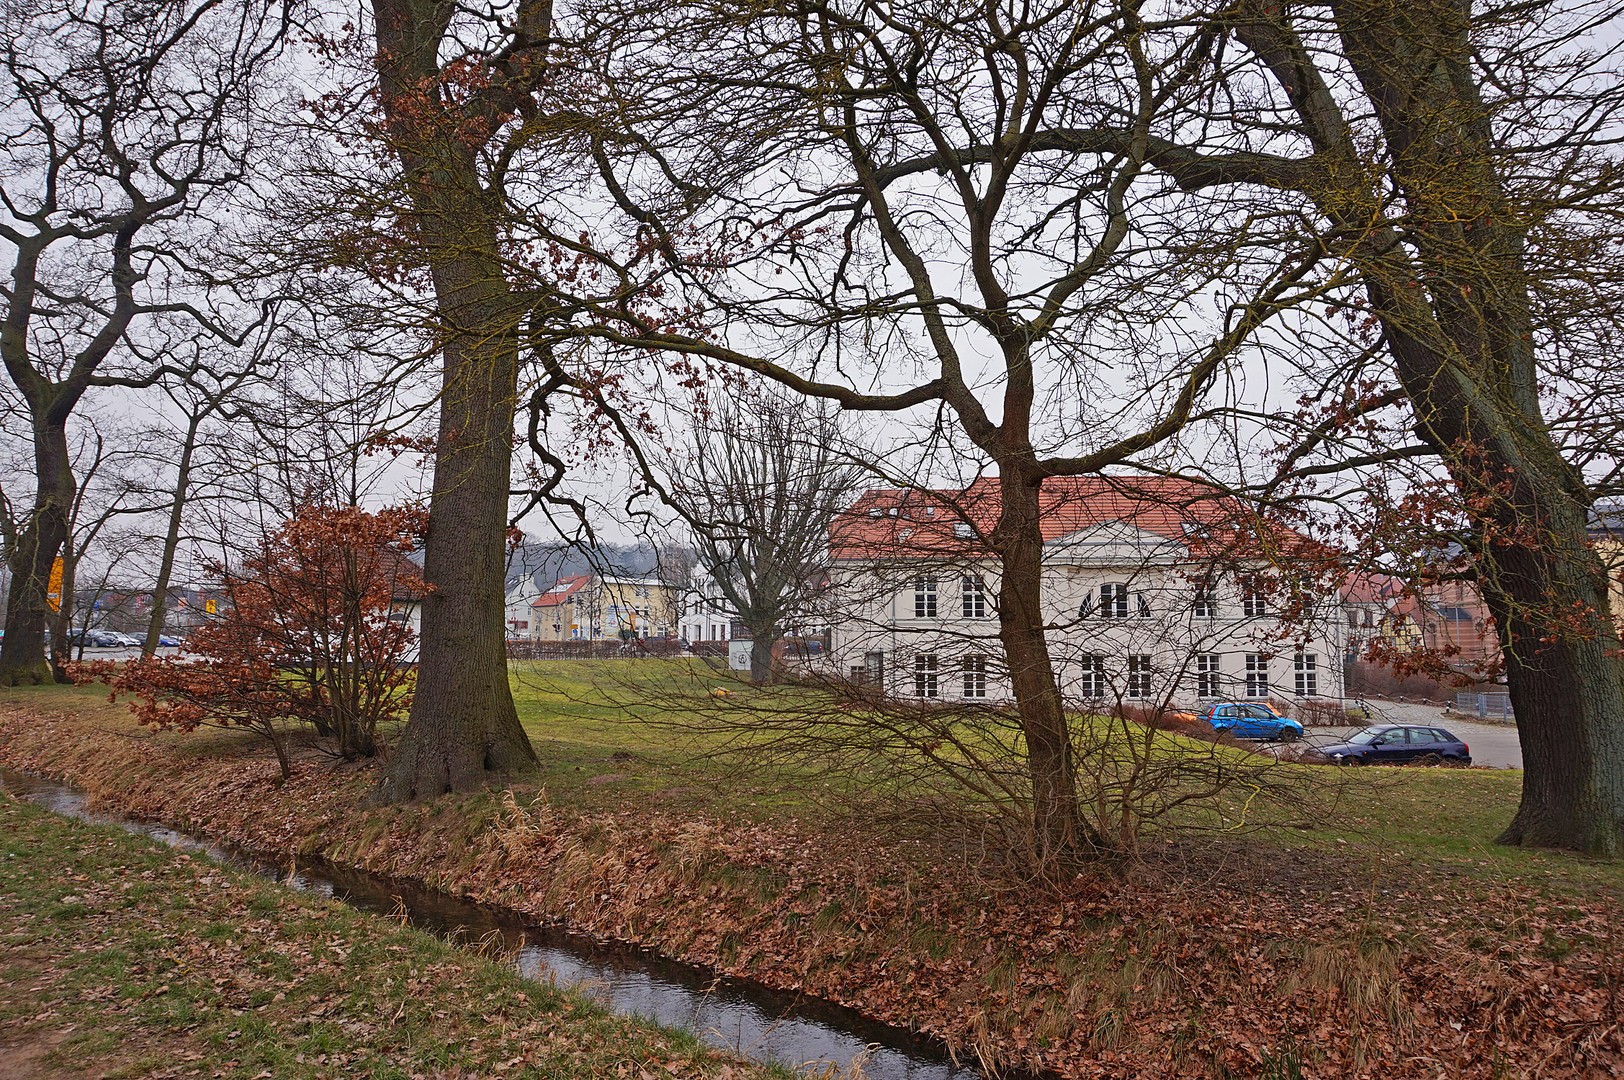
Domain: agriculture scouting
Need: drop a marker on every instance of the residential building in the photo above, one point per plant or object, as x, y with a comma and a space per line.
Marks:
601, 607
1153, 593
706, 614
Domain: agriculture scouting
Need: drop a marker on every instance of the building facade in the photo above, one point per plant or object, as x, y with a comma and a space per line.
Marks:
1147, 598
596, 607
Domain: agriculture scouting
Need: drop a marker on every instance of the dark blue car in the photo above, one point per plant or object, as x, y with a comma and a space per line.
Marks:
1399, 744
1250, 720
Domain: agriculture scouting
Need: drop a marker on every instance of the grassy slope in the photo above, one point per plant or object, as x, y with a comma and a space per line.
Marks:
1447, 817
119, 957
1217, 949
582, 713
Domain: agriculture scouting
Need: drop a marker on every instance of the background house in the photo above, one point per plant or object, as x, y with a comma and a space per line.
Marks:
603, 607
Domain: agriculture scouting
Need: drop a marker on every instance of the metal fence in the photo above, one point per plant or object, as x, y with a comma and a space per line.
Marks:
1483, 706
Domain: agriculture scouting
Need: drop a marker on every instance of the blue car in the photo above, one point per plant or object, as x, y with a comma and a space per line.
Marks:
1250, 720
1399, 744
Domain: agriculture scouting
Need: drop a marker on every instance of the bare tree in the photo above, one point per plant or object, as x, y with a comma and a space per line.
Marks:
863, 204
124, 125
1461, 158
760, 489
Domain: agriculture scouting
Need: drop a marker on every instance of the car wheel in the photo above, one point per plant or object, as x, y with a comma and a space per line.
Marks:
1348, 759
1289, 735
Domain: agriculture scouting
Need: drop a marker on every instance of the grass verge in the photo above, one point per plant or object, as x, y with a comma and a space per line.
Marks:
122, 958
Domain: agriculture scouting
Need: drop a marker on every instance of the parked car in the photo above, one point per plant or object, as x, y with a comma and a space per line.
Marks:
170, 641
1250, 720
1395, 744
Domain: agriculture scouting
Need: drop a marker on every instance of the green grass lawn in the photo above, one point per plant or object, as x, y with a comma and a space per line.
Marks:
618, 733
123, 958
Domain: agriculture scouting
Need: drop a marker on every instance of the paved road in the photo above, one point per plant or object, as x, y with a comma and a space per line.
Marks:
1493, 745
120, 653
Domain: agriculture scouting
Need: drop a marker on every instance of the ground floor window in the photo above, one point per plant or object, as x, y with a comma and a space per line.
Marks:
925, 675
1091, 681
1139, 675
1306, 670
1257, 675
1208, 679
975, 676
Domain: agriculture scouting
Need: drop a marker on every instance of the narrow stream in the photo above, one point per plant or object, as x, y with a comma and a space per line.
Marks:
744, 1017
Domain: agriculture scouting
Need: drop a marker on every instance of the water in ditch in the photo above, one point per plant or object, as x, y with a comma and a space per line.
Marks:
747, 1018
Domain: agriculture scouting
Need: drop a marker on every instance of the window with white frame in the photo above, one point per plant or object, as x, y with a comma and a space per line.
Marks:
924, 598
1206, 602
1306, 669
1141, 605
975, 676
1257, 675
1114, 601
1253, 603
1208, 676
1086, 610
1091, 681
1139, 675
925, 675
963, 530
974, 596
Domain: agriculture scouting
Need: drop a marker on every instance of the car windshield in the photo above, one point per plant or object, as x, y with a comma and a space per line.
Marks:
1367, 736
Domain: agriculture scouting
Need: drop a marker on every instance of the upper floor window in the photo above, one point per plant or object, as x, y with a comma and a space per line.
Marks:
1253, 602
974, 597
1206, 603
640, 591
964, 530
924, 598
1114, 601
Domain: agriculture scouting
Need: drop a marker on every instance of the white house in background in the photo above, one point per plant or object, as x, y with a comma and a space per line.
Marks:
706, 614
519, 615
1151, 596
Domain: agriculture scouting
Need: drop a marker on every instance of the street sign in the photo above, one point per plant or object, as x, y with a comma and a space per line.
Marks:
53, 590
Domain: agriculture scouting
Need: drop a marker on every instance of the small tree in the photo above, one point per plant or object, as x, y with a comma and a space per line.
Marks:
310, 632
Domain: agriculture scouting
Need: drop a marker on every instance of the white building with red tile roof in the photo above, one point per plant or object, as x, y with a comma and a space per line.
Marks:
1158, 592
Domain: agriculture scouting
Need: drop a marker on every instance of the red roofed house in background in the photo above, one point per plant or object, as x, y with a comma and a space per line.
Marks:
1156, 592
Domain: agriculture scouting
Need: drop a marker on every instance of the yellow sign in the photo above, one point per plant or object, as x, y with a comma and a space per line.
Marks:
209, 607
53, 591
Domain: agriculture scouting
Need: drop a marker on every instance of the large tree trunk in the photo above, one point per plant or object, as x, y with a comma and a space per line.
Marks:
1453, 296
463, 726
1465, 353
763, 636
1059, 830
22, 654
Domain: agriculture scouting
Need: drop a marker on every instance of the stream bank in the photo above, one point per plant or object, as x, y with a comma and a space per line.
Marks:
1299, 963
122, 958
